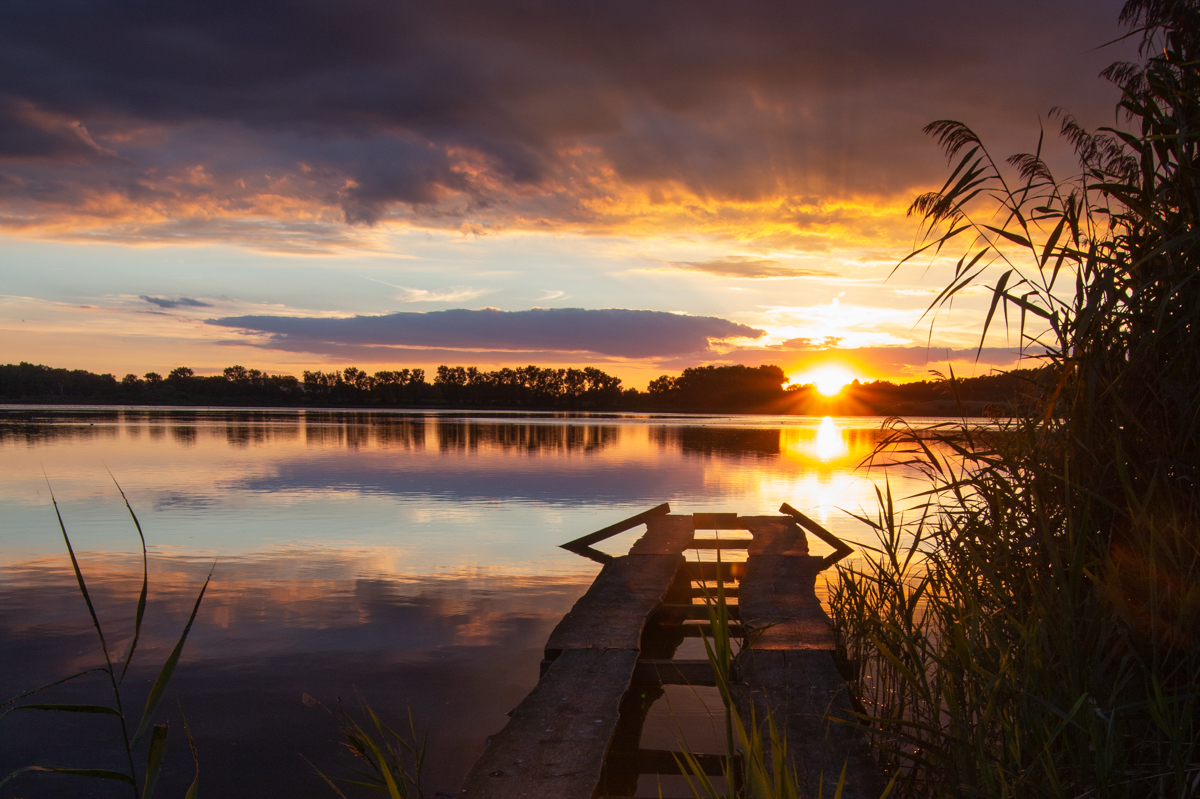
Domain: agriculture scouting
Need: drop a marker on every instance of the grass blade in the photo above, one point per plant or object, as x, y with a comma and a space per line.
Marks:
141, 604
87, 598
101, 709
97, 773
168, 668
158, 748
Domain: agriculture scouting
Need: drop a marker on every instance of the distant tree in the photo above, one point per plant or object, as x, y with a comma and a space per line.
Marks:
180, 372
153, 377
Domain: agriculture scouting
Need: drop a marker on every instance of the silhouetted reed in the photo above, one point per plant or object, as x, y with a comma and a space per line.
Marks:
1034, 628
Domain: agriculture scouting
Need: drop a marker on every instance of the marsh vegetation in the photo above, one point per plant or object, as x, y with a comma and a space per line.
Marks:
1034, 629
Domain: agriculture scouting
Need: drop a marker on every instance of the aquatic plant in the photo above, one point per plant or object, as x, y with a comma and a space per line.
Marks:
385, 761
756, 765
129, 739
1034, 628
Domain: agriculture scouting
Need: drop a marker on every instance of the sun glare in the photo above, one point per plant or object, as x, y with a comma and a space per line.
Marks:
829, 380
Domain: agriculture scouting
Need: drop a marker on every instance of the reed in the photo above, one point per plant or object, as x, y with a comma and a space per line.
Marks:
384, 760
135, 735
1033, 627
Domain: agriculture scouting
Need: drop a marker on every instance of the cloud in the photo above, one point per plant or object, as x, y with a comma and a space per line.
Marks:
745, 266
612, 332
182, 302
453, 294
28, 133
160, 121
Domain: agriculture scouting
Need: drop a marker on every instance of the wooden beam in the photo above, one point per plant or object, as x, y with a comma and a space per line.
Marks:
674, 672
807, 701
614, 610
716, 521
841, 549
778, 597
707, 570
616, 529
720, 543
731, 591
675, 613
664, 761
554, 745
665, 535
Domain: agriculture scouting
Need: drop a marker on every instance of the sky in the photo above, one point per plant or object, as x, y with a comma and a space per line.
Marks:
640, 187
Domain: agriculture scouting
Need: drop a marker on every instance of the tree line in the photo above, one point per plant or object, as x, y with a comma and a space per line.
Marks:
703, 389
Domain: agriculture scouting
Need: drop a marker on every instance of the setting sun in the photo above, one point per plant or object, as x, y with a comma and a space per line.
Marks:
829, 380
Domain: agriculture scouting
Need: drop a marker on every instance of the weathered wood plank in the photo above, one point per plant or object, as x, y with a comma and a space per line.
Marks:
707, 570
671, 613
777, 535
663, 761
716, 521
613, 611
731, 591
804, 694
619, 527
554, 745
665, 535
720, 543
840, 548
778, 593
674, 672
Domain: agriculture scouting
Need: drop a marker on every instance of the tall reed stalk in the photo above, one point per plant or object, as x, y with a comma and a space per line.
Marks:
1034, 628
136, 736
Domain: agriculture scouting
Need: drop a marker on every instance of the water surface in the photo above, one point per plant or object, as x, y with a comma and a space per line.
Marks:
411, 558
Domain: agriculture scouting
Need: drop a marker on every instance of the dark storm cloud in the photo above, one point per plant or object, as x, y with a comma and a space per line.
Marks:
182, 302
740, 266
613, 332
28, 134
491, 111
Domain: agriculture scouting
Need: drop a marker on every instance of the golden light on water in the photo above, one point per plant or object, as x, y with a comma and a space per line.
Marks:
830, 443
829, 380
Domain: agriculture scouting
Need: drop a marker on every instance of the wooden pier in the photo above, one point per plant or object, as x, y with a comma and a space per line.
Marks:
576, 735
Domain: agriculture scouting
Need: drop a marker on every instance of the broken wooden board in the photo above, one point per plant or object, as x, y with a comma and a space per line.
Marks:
665, 535
777, 595
620, 527
614, 610
840, 548
808, 702
554, 745
776, 535
716, 521
674, 671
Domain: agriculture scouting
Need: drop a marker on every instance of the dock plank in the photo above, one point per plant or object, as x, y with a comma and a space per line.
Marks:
614, 529
665, 535
777, 535
554, 745
778, 592
614, 610
808, 701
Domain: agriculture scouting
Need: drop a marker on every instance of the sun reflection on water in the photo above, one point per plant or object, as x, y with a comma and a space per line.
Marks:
830, 441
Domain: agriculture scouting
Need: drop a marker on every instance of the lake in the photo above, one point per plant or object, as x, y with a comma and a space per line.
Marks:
411, 558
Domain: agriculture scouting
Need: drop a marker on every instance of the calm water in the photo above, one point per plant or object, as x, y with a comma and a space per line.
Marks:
411, 558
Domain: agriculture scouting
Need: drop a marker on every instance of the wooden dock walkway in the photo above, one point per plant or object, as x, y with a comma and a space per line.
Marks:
576, 735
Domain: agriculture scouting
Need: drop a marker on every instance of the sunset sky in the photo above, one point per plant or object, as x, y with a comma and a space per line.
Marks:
639, 187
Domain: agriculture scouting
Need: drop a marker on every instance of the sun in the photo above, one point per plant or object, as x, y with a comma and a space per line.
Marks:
829, 380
